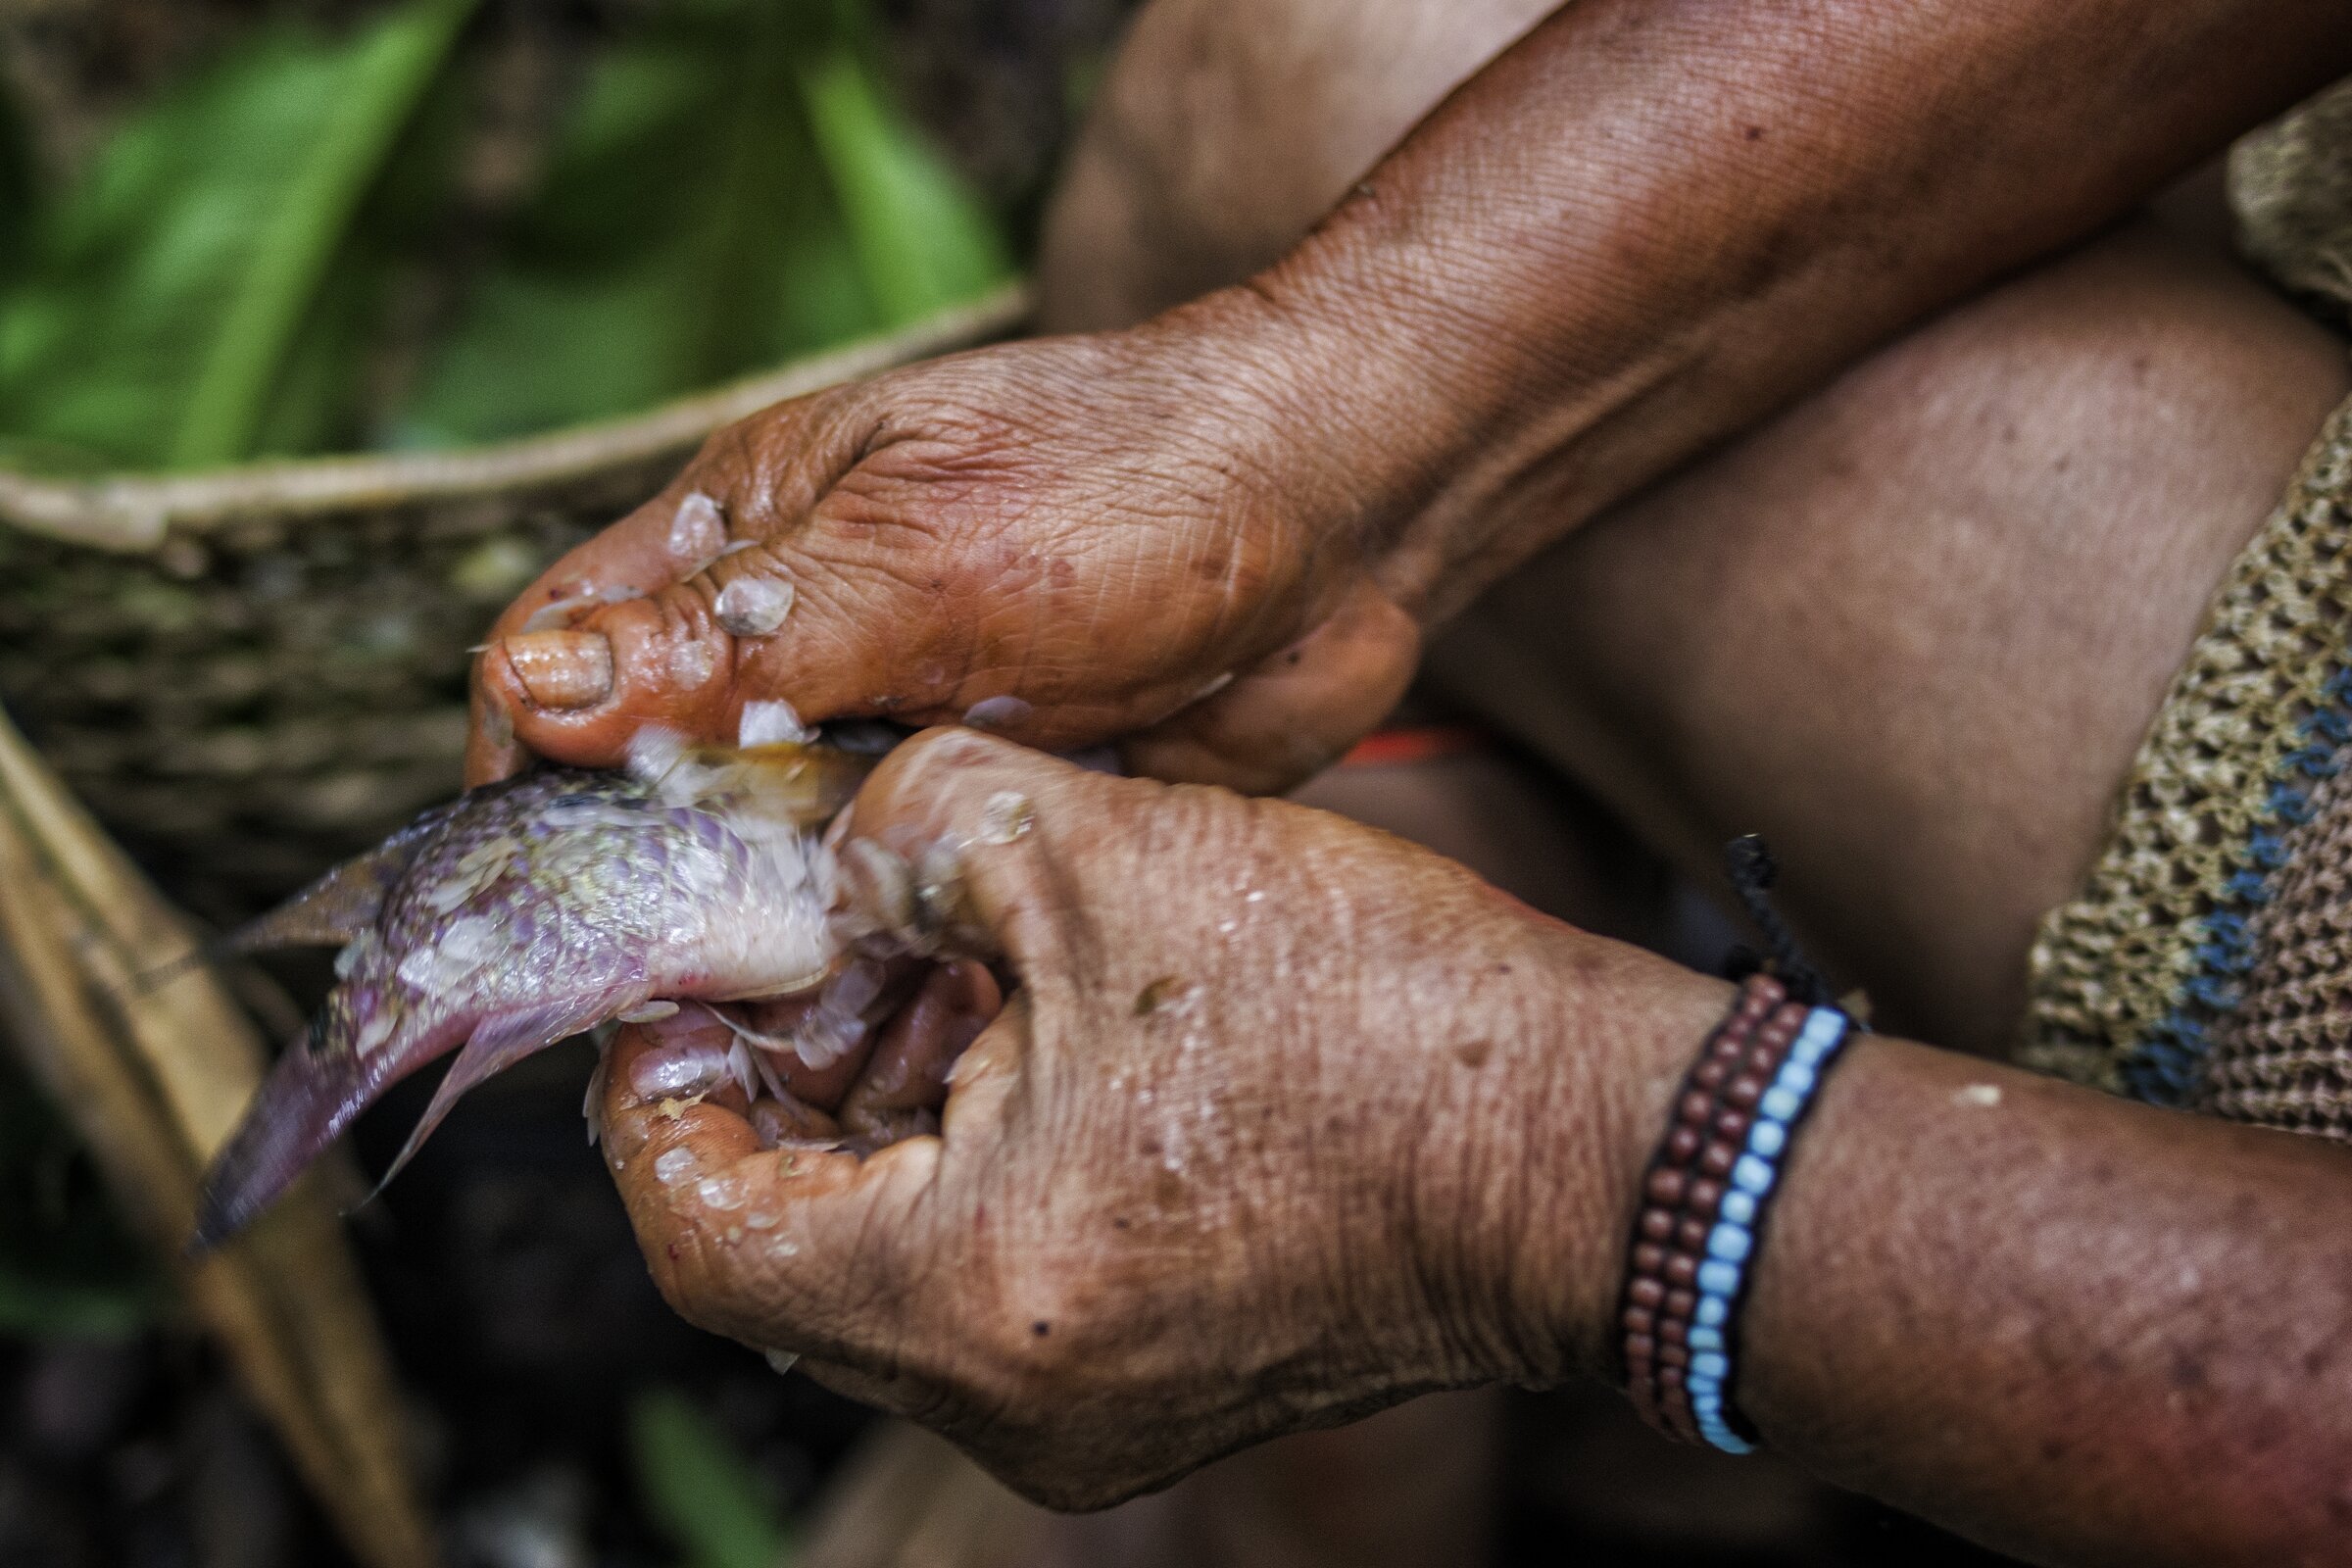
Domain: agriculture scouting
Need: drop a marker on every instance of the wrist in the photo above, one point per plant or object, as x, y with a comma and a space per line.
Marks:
1610, 1030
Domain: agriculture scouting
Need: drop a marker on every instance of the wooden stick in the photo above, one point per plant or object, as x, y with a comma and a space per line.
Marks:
155, 1076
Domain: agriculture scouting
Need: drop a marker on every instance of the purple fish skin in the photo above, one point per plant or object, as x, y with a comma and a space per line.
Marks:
531, 911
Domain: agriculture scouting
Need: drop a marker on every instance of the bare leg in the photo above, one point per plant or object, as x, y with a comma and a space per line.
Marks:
1227, 127
1913, 630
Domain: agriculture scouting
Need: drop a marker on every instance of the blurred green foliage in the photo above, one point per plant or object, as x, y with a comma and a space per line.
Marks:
729, 186
67, 1266
698, 1489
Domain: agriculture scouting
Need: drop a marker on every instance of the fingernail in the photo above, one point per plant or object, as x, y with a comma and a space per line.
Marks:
678, 1068
561, 669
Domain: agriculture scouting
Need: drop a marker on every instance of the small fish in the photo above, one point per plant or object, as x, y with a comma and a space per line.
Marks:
538, 908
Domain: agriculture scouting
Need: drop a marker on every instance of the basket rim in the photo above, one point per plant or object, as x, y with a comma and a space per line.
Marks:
132, 512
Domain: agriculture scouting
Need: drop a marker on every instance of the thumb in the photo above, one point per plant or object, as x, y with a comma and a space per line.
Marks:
670, 615
967, 843
1298, 710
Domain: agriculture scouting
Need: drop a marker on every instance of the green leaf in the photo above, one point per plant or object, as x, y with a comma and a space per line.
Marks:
683, 234
698, 1489
200, 293
373, 93
923, 240
67, 1266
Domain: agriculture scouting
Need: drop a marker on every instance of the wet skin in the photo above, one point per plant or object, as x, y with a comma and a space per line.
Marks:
1325, 1122
1299, 477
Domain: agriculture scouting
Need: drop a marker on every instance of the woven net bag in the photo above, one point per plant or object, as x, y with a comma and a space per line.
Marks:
251, 673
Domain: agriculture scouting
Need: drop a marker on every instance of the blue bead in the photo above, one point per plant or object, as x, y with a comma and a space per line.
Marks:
1713, 1310
1712, 1404
1768, 1139
1703, 1388
1752, 1175
1724, 1438
1719, 1278
1702, 1337
1781, 1104
1730, 1241
1710, 1364
1797, 1077
1737, 1207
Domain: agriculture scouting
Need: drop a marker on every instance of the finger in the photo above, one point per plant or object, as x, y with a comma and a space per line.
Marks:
1297, 713
908, 1074
821, 1087
563, 662
795, 1249
983, 1077
966, 844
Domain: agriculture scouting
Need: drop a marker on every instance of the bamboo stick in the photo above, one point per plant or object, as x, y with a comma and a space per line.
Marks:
155, 1078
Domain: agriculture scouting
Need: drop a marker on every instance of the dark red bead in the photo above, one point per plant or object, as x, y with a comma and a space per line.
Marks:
1744, 1091
1680, 1304
1695, 1107
1674, 1330
1681, 1269
1667, 1186
1639, 1349
1641, 1320
1649, 1293
1717, 1159
1657, 1224
1710, 1074
1650, 1259
1730, 1126
1674, 1356
1692, 1236
1704, 1197
1683, 1145
1670, 1379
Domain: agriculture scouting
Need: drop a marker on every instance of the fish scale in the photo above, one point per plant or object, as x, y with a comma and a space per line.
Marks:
533, 910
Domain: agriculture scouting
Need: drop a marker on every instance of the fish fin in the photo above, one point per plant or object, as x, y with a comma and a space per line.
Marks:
502, 1039
336, 907
309, 1097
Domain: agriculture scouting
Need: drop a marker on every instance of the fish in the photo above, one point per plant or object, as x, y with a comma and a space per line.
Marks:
536, 908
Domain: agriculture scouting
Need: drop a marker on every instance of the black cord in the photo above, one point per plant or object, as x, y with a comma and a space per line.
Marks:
1752, 872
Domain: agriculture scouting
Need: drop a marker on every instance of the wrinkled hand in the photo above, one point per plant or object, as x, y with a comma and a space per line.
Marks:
1285, 1120
1156, 534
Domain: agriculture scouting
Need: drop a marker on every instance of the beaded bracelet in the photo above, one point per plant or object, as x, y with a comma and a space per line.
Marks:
1704, 1201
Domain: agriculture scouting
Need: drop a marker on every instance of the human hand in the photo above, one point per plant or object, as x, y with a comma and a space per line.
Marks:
1160, 535
1285, 1120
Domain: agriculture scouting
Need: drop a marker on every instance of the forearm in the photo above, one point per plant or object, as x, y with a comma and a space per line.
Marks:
2080, 1329
1652, 221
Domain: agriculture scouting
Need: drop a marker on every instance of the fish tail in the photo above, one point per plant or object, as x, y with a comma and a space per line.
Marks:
309, 1097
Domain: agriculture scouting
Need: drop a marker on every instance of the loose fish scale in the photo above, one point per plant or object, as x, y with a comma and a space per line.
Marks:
536, 908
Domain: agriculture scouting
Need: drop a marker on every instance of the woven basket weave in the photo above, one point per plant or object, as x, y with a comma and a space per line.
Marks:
250, 675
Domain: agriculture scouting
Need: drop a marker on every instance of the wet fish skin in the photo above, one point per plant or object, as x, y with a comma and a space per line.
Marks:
531, 911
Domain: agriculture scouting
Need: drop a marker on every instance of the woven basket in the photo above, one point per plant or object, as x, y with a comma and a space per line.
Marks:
252, 674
